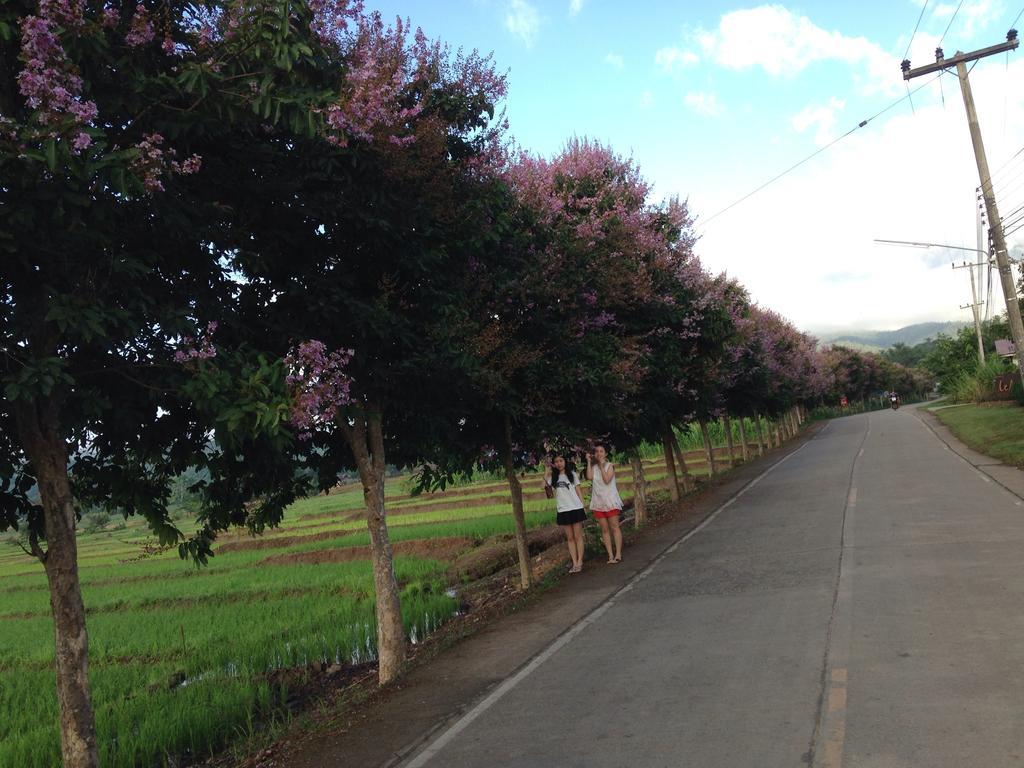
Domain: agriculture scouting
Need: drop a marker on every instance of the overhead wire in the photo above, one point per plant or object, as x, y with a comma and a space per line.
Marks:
790, 169
914, 33
951, 18
1013, 221
997, 178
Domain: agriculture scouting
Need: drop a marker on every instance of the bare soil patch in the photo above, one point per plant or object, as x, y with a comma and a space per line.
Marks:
435, 549
278, 542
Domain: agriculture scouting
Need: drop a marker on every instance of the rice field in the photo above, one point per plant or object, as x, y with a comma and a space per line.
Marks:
186, 660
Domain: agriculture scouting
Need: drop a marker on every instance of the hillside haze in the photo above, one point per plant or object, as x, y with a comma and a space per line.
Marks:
877, 340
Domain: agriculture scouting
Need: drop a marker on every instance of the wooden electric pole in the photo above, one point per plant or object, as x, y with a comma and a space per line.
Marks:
988, 194
974, 308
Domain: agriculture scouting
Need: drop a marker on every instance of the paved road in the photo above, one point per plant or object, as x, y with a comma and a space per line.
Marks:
857, 606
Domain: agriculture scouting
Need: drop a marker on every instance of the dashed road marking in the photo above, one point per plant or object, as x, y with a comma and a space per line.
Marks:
835, 733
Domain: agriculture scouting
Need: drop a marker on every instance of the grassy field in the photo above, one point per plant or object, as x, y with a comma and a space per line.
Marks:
186, 660
995, 429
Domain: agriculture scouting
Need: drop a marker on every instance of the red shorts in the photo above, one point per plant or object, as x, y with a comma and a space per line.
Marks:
604, 515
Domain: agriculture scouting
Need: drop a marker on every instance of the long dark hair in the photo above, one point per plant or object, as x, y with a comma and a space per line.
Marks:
569, 471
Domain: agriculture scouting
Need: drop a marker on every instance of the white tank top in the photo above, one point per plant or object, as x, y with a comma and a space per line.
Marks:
604, 496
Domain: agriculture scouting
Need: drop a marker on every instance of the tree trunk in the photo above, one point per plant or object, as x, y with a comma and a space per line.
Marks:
778, 434
760, 434
639, 492
794, 422
39, 432
525, 576
727, 426
688, 483
366, 439
744, 445
709, 451
670, 463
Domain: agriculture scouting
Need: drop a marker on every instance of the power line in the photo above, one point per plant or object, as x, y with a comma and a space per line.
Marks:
1014, 22
1009, 161
1013, 221
1007, 188
814, 154
914, 34
948, 25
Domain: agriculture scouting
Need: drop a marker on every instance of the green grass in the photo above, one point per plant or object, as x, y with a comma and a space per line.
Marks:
222, 631
996, 429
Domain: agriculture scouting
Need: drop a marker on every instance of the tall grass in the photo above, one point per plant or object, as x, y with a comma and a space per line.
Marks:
976, 386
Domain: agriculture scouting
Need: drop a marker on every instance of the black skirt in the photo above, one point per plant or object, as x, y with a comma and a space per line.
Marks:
571, 516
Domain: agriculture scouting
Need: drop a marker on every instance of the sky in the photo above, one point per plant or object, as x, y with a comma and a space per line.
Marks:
713, 99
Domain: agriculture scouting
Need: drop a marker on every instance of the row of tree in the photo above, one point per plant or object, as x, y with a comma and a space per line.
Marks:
861, 375
265, 242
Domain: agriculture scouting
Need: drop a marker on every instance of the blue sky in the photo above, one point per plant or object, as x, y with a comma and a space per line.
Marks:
714, 98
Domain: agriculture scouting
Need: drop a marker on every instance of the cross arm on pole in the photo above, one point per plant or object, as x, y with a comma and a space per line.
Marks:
943, 63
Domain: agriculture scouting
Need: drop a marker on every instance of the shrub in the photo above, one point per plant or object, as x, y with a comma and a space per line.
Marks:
95, 521
975, 386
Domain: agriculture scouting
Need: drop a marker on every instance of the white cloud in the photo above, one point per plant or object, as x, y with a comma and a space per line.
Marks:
523, 21
703, 103
804, 245
615, 59
822, 117
675, 58
782, 43
575, 6
973, 17
646, 100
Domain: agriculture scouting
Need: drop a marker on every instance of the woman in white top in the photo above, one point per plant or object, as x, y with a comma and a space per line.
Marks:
605, 502
561, 475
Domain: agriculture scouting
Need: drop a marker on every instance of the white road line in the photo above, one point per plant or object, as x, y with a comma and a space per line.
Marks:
508, 684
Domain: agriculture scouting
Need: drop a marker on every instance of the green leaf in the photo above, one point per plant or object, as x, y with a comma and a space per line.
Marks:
50, 148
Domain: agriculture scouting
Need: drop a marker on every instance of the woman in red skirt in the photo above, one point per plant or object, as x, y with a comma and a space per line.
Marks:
605, 502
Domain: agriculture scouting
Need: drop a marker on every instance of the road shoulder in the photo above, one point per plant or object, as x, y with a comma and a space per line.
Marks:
1009, 477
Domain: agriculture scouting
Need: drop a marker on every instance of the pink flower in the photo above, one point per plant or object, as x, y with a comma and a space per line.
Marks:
140, 31
110, 18
49, 81
193, 349
319, 385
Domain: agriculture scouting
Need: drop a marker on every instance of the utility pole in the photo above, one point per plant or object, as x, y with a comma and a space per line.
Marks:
974, 309
999, 241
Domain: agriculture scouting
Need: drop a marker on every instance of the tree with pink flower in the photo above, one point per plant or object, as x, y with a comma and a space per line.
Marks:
115, 261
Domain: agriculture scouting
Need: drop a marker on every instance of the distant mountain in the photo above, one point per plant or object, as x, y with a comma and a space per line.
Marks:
876, 340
